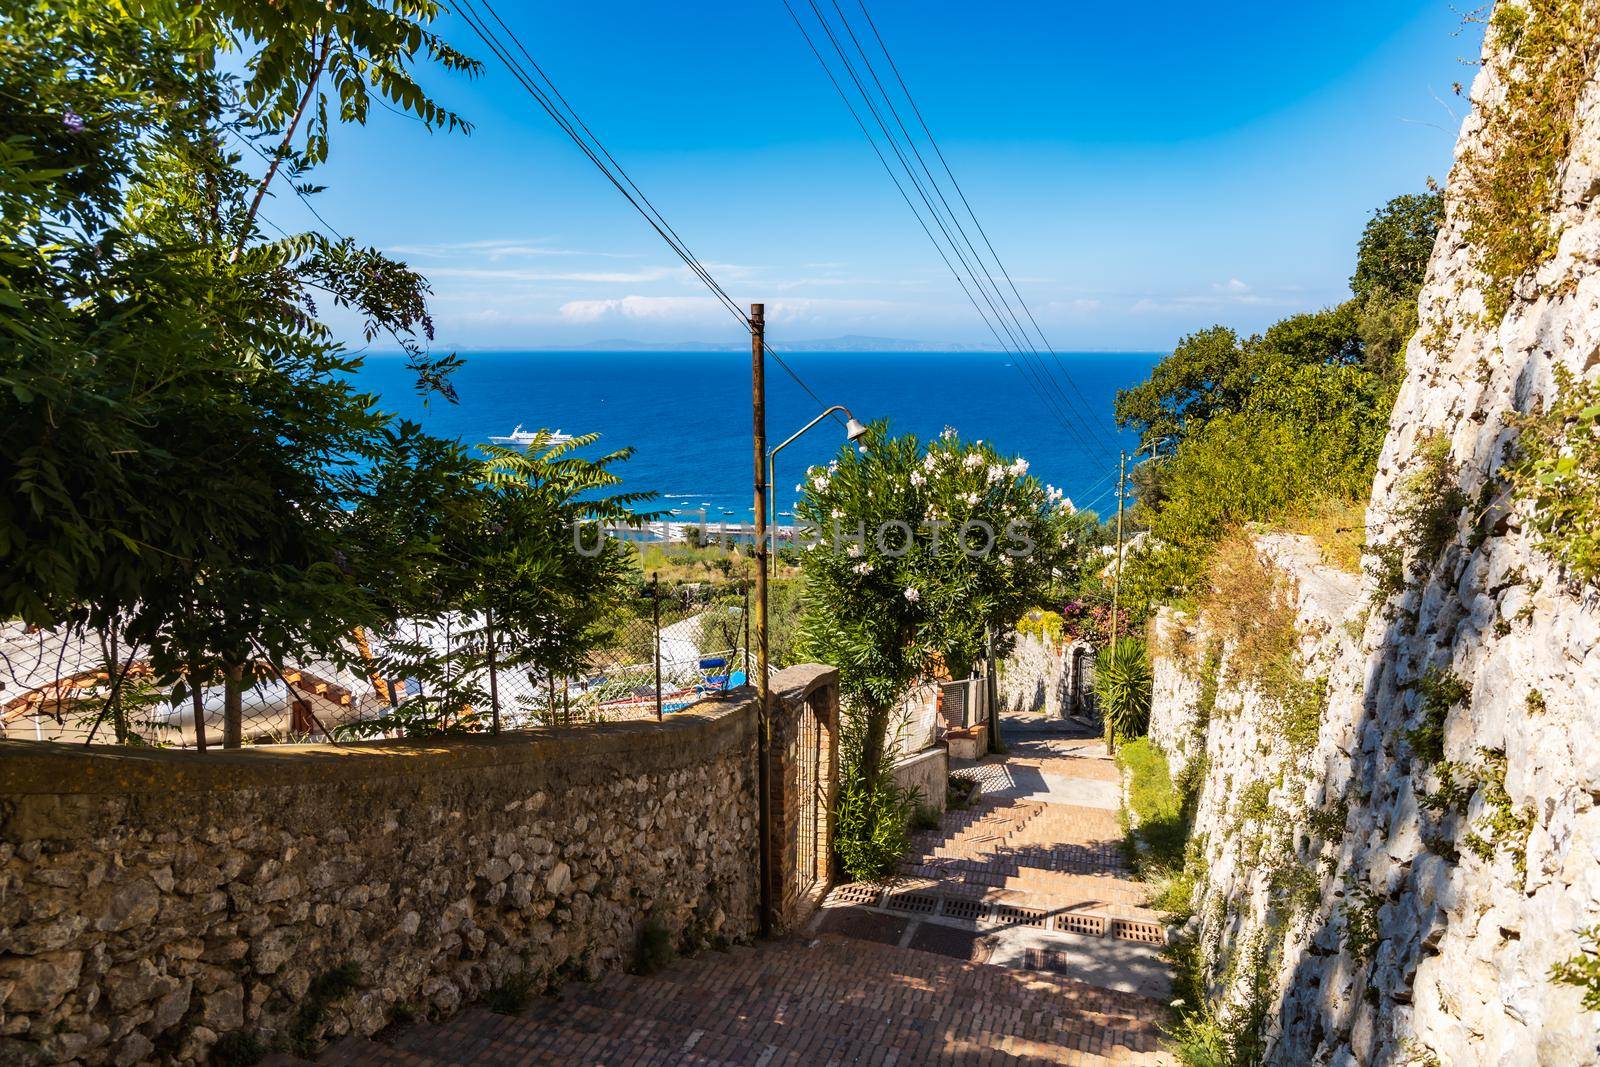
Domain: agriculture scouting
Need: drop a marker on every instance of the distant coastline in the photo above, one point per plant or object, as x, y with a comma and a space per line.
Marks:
827, 344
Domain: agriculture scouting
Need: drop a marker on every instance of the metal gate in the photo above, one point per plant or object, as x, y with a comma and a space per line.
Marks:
810, 753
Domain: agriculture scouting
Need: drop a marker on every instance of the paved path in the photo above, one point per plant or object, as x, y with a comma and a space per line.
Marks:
1012, 937
1033, 876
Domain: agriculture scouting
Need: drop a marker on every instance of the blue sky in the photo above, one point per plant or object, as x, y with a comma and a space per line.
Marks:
1144, 170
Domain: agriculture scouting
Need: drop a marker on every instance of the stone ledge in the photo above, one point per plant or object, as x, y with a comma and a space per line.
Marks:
685, 737
794, 685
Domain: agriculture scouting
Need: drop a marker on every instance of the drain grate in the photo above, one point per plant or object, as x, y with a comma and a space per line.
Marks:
956, 908
1046, 959
1088, 925
916, 903
1015, 916
858, 893
1128, 930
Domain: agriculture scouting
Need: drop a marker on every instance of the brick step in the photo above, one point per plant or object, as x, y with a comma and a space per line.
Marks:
988, 907
851, 988
853, 1026
552, 1021
1000, 864
363, 1052
558, 1032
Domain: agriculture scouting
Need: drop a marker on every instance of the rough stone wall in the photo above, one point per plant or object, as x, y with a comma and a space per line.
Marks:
1033, 676
1433, 932
152, 901
1037, 676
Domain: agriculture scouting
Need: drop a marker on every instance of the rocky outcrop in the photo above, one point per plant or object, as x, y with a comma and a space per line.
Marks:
1395, 883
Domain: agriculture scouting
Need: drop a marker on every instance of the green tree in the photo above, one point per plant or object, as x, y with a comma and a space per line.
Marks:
1284, 421
184, 443
530, 585
923, 548
1392, 258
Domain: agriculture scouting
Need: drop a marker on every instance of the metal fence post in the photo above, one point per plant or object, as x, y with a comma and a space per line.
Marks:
655, 606
494, 681
747, 679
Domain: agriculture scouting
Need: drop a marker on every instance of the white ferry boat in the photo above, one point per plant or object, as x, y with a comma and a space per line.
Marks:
521, 438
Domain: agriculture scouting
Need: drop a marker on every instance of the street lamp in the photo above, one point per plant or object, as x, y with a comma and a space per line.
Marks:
853, 431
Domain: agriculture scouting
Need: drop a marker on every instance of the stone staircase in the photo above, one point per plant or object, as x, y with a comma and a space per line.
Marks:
794, 1003
1014, 935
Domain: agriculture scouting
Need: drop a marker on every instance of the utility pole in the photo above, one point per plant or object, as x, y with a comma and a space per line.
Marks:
758, 402
1116, 588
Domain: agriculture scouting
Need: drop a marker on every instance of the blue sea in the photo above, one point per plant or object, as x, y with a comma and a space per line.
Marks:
687, 414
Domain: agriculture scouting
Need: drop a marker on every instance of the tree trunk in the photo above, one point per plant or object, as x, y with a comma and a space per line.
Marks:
198, 703
872, 748
233, 708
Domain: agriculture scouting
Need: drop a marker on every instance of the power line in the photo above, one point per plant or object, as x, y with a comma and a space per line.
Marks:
976, 256
543, 89
899, 187
1030, 364
945, 164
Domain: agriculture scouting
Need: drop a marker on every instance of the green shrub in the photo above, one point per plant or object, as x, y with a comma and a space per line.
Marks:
1159, 816
1441, 690
656, 947
1423, 521
512, 995
1361, 904
1557, 474
873, 821
1583, 970
1503, 824
325, 989
1509, 181
1123, 685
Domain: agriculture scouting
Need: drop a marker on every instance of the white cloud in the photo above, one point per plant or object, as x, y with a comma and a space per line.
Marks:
651, 274
498, 248
639, 307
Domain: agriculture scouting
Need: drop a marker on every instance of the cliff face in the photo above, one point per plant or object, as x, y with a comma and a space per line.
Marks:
1393, 880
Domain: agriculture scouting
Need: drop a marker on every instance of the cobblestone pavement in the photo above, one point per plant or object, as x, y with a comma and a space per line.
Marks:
1012, 937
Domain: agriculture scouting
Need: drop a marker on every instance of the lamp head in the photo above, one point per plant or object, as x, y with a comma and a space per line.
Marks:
853, 429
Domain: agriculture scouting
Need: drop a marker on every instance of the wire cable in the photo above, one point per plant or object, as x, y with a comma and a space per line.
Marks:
961, 194
567, 118
1031, 373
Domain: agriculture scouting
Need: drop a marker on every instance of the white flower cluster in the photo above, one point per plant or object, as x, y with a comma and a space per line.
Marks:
863, 568
912, 594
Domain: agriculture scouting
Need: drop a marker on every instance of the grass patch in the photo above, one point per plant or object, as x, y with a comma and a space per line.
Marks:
1339, 527
511, 996
655, 947
1159, 816
1248, 603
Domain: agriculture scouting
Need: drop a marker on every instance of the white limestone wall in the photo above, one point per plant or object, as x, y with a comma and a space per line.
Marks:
1457, 965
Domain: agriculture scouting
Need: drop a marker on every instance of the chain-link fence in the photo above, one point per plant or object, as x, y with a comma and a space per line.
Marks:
659, 652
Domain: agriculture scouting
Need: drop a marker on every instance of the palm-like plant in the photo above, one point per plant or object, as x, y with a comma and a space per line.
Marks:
1123, 684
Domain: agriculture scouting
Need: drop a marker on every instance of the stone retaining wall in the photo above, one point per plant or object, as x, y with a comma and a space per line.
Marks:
153, 901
